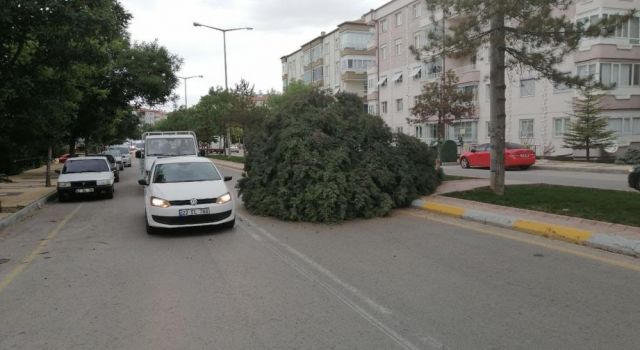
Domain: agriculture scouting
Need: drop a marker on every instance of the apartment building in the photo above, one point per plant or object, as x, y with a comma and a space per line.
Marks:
337, 60
537, 110
150, 116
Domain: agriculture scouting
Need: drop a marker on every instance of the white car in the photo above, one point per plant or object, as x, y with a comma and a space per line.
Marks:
124, 153
187, 192
85, 176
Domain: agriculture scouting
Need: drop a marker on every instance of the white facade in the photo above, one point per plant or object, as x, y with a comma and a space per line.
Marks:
537, 111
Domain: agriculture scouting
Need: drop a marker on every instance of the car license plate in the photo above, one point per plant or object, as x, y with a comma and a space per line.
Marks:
196, 211
84, 190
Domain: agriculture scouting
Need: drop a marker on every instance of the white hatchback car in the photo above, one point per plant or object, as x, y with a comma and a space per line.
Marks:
186, 192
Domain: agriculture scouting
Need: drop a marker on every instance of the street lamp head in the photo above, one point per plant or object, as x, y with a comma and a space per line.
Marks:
200, 76
196, 24
249, 28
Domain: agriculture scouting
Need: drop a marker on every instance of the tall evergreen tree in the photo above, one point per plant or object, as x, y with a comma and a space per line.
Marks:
589, 129
442, 101
535, 35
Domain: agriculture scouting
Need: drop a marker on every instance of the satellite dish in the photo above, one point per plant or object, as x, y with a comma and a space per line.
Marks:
613, 148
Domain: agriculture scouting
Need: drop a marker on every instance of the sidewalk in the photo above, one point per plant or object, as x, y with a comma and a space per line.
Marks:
25, 193
228, 164
611, 237
545, 164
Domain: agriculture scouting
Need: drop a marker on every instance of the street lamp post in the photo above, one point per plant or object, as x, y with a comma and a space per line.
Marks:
224, 43
185, 87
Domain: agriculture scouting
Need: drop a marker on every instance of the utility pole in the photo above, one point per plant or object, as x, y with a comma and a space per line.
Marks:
186, 105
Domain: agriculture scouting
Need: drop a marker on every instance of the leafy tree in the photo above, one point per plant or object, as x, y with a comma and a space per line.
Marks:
320, 158
589, 129
444, 102
535, 35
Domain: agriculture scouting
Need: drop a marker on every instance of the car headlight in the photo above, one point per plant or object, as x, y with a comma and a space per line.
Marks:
224, 198
64, 184
159, 202
103, 182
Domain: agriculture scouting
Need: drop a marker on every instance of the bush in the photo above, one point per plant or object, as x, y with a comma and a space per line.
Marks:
320, 158
631, 156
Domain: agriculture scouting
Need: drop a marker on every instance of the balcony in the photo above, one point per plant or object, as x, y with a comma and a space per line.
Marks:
467, 73
353, 75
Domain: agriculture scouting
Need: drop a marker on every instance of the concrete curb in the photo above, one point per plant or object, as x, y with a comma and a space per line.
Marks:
22, 213
228, 164
581, 170
604, 241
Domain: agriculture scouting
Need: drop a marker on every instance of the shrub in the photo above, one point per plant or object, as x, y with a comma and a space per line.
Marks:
631, 156
320, 158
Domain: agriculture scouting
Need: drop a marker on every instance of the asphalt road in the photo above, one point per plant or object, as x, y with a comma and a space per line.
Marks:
85, 275
566, 178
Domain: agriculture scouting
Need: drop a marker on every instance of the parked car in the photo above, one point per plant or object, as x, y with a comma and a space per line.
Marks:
85, 176
515, 156
116, 154
124, 153
186, 191
634, 177
112, 164
63, 158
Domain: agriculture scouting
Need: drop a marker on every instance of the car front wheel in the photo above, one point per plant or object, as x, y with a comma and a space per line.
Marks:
464, 163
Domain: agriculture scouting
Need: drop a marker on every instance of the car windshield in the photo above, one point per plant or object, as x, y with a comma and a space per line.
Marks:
114, 153
185, 172
120, 150
170, 147
72, 166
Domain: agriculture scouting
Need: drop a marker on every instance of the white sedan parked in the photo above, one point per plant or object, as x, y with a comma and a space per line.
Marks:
187, 192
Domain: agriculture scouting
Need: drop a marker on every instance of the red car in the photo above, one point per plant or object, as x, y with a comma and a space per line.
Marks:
515, 156
63, 158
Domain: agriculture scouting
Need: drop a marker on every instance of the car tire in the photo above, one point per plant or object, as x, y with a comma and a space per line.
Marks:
525, 167
117, 178
63, 198
109, 194
464, 163
150, 229
229, 224
638, 183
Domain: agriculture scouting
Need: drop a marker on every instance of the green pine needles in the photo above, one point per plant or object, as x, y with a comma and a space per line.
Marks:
320, 158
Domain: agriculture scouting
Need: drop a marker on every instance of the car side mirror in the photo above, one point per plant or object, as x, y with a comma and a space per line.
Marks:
143, 182
202, 153
228, 178
139, 154
57, 171
473, 150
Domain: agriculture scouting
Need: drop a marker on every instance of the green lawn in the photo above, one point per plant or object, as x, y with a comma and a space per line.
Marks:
603, 205
236, 159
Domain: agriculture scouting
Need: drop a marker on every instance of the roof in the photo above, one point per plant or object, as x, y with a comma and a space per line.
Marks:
86, 158
182, 159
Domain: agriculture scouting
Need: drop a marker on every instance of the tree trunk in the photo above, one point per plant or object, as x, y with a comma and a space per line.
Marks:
47, 177
588, 151
72, 145
497, 104
228, 141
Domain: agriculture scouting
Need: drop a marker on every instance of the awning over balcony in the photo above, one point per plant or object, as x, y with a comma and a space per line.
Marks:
416, 71
382, 81
397, 77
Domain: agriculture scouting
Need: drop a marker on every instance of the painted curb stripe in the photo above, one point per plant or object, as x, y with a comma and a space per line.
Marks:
554, 231
444, 209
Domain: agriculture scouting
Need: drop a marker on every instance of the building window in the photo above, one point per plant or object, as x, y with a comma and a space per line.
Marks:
355, 40
399, 105
383, 52
398, 19
625, 126
463, 130
526, 128
419, 131
372, 84
489, 130
417, 40
470, 89
586, 70
527, 87
399, 130
487, 92
397, 77
434, 68
316, 74
561, 87
383, 81
372, 109
398, 46
619, 74
417, 10
416, 73
383, 106
384, 25
560, 126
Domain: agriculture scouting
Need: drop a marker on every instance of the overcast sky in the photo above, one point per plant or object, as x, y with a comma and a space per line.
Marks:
281, 26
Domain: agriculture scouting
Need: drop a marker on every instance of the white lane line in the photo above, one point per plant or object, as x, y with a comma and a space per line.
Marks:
247, 225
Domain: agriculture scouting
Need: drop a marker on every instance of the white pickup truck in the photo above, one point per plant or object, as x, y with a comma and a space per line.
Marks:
163, 144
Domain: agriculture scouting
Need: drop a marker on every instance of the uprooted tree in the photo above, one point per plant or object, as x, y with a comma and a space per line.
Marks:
319, 158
